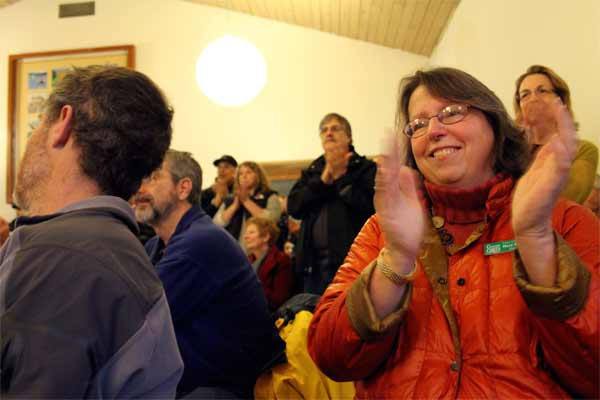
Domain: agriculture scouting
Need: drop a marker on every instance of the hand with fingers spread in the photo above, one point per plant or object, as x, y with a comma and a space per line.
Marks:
402, 220
536, 195
397, 205
541, 185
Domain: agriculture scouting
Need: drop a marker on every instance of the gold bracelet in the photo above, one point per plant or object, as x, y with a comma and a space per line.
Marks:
387, 271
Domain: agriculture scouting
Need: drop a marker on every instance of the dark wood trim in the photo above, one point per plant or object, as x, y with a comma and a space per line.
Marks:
284, 170
129, 49
288, 170
13, 61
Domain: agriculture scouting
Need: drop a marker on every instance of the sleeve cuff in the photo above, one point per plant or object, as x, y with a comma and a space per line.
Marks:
362, 312
568, 295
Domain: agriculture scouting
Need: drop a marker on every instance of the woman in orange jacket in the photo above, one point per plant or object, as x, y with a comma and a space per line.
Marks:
473, 279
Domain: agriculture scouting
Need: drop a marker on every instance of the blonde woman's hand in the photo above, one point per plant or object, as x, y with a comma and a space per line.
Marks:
539, 121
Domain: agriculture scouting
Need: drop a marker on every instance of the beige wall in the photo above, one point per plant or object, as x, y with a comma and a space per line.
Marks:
496, 40
310, 73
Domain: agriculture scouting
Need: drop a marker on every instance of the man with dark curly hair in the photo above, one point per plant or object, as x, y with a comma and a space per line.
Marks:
82, 313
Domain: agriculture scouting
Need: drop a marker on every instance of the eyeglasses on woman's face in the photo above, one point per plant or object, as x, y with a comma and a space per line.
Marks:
448, 115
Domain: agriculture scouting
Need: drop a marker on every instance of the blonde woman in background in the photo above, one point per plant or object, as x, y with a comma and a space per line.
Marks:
535, 91
252, 197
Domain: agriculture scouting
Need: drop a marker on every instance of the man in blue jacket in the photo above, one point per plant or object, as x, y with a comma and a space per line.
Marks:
224, 331
82, 312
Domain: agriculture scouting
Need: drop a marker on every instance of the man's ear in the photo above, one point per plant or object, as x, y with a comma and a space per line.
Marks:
62, 127
184, 188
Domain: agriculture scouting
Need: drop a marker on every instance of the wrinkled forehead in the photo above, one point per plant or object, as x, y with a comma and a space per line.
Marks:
245, 169
533, 81
422, 103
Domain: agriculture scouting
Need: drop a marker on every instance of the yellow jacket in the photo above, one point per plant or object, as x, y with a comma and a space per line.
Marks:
299, 378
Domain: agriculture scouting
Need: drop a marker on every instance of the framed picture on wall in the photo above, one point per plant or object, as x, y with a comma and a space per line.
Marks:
31, 78
283, 174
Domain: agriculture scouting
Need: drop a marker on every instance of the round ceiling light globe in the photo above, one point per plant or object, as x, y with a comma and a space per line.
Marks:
231, 71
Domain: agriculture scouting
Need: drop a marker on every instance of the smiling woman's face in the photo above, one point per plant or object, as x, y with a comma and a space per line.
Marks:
459, 155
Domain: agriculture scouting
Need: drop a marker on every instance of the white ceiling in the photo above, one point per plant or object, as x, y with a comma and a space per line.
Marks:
409, 25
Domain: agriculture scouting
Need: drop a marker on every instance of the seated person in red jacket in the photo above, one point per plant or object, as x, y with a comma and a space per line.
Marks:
272, 266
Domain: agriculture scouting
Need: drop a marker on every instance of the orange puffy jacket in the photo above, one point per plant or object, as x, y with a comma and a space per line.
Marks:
470, 326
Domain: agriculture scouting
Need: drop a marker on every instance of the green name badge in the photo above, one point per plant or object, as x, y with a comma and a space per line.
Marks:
499, 247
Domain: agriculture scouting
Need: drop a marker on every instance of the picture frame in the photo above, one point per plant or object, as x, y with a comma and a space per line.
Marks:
31, 78
283, 174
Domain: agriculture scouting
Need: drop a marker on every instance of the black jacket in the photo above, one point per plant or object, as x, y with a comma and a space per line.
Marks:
348, 201
206, 198
235, 224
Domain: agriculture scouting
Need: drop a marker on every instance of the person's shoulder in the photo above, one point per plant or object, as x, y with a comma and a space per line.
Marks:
201, 226
271, 194
67, 249
63, 262
316, 165
586, 144
208, 191
360, 164
587, 150
151, 243
201, 236
81, 229
360, 159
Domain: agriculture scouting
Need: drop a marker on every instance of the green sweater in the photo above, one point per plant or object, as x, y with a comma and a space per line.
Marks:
582, 173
